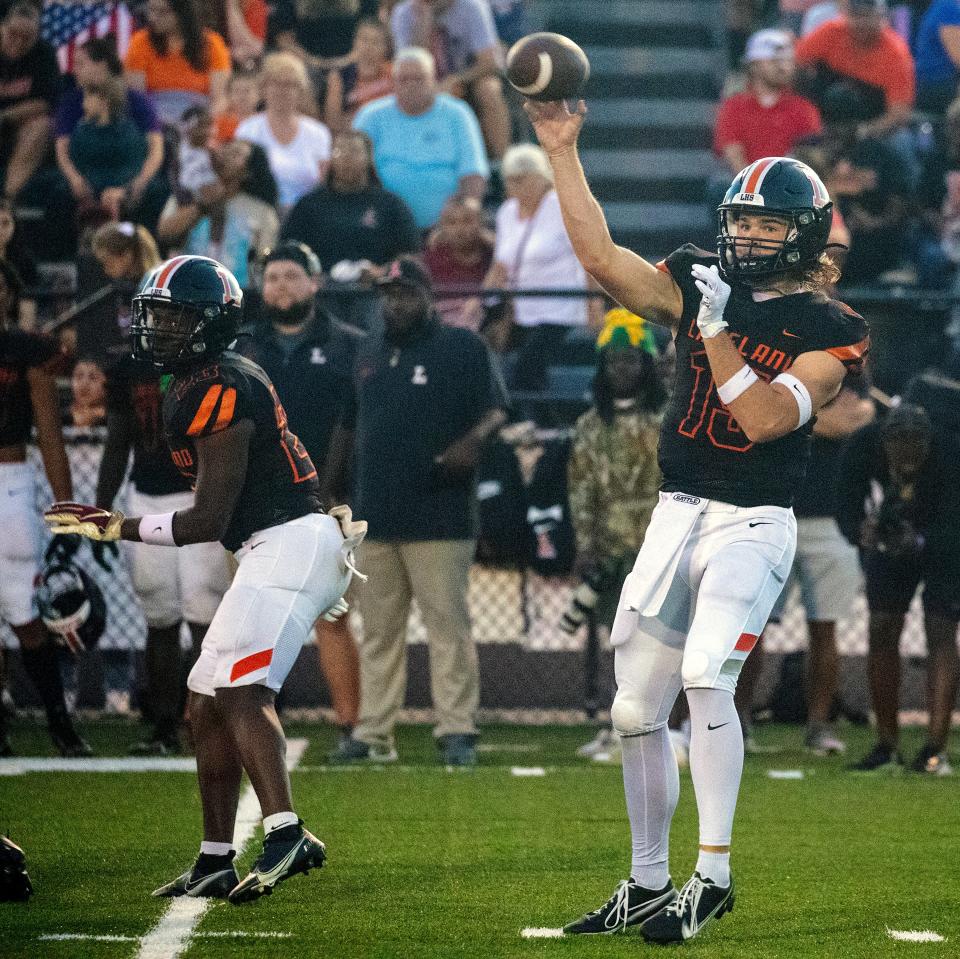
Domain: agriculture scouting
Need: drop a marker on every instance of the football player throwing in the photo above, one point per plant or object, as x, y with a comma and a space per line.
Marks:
760, 349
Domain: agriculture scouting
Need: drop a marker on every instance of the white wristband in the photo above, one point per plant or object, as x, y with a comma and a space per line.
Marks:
800, 393
157, 530
711, 328
737, 385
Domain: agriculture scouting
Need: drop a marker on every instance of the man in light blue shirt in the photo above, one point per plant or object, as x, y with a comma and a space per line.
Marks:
427, 146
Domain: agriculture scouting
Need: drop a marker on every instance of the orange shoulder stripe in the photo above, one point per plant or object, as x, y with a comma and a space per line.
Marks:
227, 405
206, 410
855, 351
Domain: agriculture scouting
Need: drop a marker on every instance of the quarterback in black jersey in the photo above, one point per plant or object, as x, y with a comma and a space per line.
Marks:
760, 349
256, 491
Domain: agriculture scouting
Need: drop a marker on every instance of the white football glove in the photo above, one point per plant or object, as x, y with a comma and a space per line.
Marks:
353, 531
713, 300
340, 607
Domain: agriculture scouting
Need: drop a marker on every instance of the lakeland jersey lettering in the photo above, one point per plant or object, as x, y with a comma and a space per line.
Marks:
281, 483
703, 450
20, 352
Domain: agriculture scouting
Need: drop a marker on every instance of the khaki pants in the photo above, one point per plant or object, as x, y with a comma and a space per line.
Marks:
435, 573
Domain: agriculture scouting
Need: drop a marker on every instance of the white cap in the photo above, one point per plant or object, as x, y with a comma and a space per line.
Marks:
769, 45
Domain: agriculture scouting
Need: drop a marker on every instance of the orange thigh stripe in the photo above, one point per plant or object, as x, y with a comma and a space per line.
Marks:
250, 664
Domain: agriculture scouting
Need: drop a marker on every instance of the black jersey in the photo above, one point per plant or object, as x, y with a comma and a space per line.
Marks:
134, 388
19, 353
281, 482
703, 450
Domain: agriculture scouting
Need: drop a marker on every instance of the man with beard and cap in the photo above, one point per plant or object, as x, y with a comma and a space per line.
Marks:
613, 477
427, 401
310, 356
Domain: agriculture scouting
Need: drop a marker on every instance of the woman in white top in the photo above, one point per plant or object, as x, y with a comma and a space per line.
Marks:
533, 251
297, 146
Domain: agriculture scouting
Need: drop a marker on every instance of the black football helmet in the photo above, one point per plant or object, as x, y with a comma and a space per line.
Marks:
15, 884
71, 606
186, 310
785, 188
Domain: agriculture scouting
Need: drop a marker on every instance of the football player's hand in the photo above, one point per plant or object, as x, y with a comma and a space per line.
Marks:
89, 521
61, 549
336, 611
556, 126
713, 300
104, 552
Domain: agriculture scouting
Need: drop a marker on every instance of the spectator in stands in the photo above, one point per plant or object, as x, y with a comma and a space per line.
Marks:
898, 503
173, 586
29, 86
427, 401
427, 146
232, 220
88, 393
309, 357
352, 218
246, 29
533, 251
863, 54
458, 256
297, 146
125, 253
134, 125
938, 201
11, 288
937, 51
768, 118
462, 37
613, 477
870, 183
243, 100
368, 76
320, 32
177, 62
194, 158
511, 20
21, 258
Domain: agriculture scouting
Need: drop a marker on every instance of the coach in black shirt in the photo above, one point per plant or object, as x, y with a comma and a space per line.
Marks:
427, 400
29, 86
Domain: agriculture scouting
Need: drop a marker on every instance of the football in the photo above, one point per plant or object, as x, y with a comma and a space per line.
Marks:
547, 66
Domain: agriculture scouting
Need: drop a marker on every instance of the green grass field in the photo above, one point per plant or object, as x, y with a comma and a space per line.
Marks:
426, 863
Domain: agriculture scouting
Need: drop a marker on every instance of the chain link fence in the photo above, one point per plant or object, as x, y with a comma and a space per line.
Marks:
530, 668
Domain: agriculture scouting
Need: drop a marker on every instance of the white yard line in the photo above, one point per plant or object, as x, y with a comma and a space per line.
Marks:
170, 937
541, 933
114, 764
915, 935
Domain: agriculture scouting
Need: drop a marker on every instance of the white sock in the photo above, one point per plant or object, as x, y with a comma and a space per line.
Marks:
716, 764
651, 784
714, 866
278, 820
216, 848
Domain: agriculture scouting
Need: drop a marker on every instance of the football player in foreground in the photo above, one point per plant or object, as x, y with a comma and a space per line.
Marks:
760, 349
257, 492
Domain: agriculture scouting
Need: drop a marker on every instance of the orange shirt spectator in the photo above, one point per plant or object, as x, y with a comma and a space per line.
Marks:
159, 61
862, 46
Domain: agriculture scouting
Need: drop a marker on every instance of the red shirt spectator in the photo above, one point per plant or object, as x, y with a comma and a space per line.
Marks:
863, 46
768, 118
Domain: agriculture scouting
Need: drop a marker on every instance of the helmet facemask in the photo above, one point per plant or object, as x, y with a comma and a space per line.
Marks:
748, 257
170, 335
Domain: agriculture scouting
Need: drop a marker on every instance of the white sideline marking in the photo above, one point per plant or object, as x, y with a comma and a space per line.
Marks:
533, 933
527, 771
89, 937
509, 747
172, 934
785, 774
913, 935
116, 764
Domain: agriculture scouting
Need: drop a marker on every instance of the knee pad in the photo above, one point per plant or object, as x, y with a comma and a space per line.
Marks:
630, 716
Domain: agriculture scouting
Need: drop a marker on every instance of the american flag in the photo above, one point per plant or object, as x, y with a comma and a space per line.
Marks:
68, 24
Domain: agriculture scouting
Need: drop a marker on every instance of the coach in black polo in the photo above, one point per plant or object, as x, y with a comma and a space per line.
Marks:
427, 401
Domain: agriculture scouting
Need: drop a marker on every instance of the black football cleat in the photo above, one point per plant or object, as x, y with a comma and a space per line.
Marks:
67, 740
210, 877
699, 903
286, 852
629, 905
